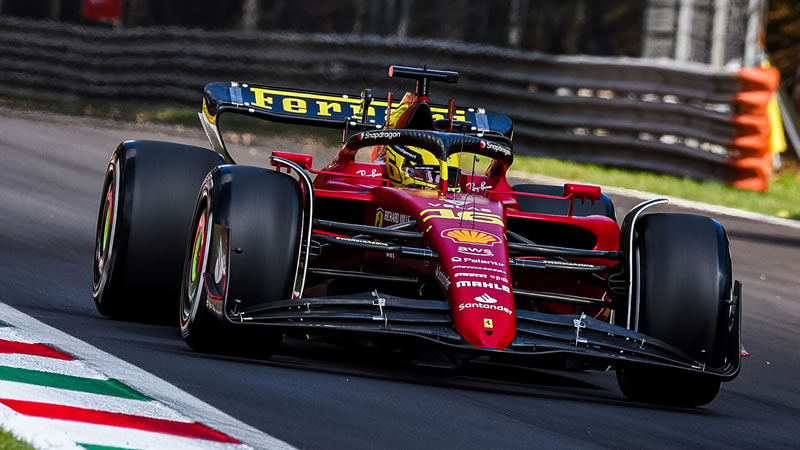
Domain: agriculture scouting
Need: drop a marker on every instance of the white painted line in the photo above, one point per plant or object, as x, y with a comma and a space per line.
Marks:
674, 201
143, 382
74, 368
14, 335
44, 394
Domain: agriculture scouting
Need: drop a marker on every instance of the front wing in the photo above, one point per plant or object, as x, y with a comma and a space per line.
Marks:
539, 335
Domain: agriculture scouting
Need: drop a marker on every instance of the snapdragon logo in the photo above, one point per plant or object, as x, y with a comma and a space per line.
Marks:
381, 134
498, 148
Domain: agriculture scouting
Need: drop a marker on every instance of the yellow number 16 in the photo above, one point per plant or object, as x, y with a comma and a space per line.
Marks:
469, 216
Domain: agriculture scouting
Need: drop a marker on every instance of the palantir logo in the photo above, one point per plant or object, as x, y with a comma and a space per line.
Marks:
485, 298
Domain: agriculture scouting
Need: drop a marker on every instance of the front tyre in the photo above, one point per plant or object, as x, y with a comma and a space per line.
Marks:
242, 252
685, 291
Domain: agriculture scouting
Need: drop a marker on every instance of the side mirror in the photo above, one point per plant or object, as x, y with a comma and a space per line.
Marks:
297, 158
581, 191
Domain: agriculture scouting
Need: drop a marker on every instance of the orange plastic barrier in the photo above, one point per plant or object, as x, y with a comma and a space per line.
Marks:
753, 163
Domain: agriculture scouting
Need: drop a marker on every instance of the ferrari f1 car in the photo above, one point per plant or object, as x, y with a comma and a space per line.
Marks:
413, 247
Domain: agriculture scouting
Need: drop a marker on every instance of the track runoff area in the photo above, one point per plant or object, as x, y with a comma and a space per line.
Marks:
59, 392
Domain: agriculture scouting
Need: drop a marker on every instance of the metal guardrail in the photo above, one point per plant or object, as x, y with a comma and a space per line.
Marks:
677, 118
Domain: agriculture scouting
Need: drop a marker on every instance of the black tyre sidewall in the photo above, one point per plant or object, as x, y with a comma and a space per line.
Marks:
685, 282
199, 329
156, 189
261, 210
101, 278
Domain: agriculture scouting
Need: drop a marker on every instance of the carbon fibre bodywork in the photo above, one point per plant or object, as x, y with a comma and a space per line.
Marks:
540, 336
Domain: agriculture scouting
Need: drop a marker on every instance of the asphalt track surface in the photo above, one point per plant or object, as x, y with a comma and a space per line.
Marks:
323, 396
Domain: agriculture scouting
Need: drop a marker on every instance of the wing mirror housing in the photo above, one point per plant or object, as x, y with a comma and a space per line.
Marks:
583, 192
297, 158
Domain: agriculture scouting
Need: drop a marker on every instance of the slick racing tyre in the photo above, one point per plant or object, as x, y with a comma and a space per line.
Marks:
602, 207
145, 213
685, 285
242, 252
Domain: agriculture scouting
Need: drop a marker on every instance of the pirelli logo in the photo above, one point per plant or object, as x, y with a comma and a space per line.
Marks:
322, 105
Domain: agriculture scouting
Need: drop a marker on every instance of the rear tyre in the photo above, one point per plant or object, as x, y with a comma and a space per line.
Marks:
145, 212
602, 207
242, 252
685, 286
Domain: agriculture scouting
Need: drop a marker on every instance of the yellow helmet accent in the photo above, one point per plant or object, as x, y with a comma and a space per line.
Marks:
397, 163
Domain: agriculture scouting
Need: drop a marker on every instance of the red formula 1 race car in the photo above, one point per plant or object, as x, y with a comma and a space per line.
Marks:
422, 245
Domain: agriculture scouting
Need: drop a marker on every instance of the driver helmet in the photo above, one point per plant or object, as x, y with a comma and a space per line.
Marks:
415, 166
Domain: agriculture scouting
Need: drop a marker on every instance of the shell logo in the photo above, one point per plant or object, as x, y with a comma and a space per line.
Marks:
462, 236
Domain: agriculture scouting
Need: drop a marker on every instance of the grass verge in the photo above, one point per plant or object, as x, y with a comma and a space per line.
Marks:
9, 442
781, 200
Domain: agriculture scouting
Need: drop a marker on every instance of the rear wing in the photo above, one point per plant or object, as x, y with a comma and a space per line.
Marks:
322, 109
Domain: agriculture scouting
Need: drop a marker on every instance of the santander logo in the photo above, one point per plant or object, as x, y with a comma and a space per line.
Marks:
485, 298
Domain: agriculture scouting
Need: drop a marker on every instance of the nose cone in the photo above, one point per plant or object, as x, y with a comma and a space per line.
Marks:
467, 232
484, 321
473, 265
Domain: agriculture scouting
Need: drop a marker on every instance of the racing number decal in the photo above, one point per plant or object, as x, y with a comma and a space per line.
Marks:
391, 168
469, 216
379, 218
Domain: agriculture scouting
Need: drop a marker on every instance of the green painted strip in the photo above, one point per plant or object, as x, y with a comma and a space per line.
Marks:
100, 447
3, 324
110, 387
